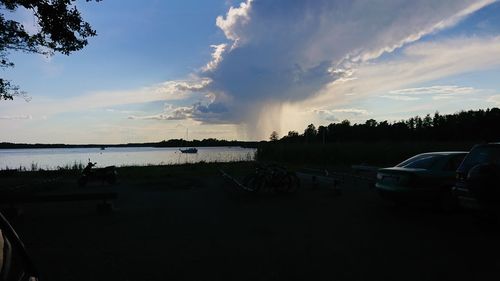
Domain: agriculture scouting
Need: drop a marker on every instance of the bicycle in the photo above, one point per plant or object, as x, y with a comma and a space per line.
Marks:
272, 178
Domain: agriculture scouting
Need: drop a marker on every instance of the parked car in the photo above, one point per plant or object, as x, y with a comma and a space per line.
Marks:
424, 177
478, 178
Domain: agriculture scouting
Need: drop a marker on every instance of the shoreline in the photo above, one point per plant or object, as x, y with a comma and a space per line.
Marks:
78, 168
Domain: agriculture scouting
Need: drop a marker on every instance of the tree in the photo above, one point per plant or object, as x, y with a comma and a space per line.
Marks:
60, 29
310, 132
292, 136
322, 131
274, 136
427, 121
371, 123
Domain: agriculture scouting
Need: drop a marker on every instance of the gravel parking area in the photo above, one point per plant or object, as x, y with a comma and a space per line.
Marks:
205, 230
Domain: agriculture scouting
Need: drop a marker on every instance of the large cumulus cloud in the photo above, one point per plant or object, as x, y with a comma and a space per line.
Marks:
287, 50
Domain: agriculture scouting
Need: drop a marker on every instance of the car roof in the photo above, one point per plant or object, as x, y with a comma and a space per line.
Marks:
444, 153
487, 144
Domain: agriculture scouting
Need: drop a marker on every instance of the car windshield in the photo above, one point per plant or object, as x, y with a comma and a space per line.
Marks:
454, 162
481, 155
422, 161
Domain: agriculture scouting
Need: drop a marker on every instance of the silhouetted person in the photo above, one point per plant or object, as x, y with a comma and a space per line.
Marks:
86, 170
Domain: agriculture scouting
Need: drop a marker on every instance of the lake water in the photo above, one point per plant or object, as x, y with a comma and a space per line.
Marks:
52, 158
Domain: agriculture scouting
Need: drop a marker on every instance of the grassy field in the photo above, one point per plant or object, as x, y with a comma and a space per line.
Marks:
352, 153
176, 175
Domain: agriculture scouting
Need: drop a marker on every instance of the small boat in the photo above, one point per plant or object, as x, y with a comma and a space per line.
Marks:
189, 150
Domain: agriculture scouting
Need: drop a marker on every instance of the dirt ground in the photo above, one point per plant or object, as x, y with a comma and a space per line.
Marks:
203, 229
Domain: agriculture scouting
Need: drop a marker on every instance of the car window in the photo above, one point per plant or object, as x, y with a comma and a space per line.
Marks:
482, 154
453, 162
425, 161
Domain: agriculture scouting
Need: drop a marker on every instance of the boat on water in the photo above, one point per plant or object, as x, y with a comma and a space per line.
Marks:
189, 150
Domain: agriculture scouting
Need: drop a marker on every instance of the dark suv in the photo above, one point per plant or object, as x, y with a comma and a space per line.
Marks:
478, 178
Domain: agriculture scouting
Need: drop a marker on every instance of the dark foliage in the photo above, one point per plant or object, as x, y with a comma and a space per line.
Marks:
61, 29
472, 125
204, 143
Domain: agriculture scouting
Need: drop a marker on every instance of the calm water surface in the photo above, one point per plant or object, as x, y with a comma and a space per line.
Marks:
52, 158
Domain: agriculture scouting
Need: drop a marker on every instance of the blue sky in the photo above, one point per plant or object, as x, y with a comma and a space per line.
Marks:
241, 69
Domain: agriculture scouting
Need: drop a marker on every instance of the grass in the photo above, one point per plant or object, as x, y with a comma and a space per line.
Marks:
34, 167
198, 170
150, 177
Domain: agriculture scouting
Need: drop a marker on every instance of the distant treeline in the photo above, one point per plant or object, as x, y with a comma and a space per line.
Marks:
169, 143
472, 125
60, 145
205, 143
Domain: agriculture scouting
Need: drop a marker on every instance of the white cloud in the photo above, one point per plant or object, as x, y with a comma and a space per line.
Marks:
235, 19
16, 117
418, 63
326, 115
442, 24
179, 113
335, 115
400, 98
435, 92
171, 90
210, 112
216, 57
195, 85
121, 111
354, 111
495, 99
333, 30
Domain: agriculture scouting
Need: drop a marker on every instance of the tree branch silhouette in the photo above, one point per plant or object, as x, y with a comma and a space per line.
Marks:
60, 29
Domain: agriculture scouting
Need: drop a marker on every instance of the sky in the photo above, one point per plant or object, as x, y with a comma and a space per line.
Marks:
160, 70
